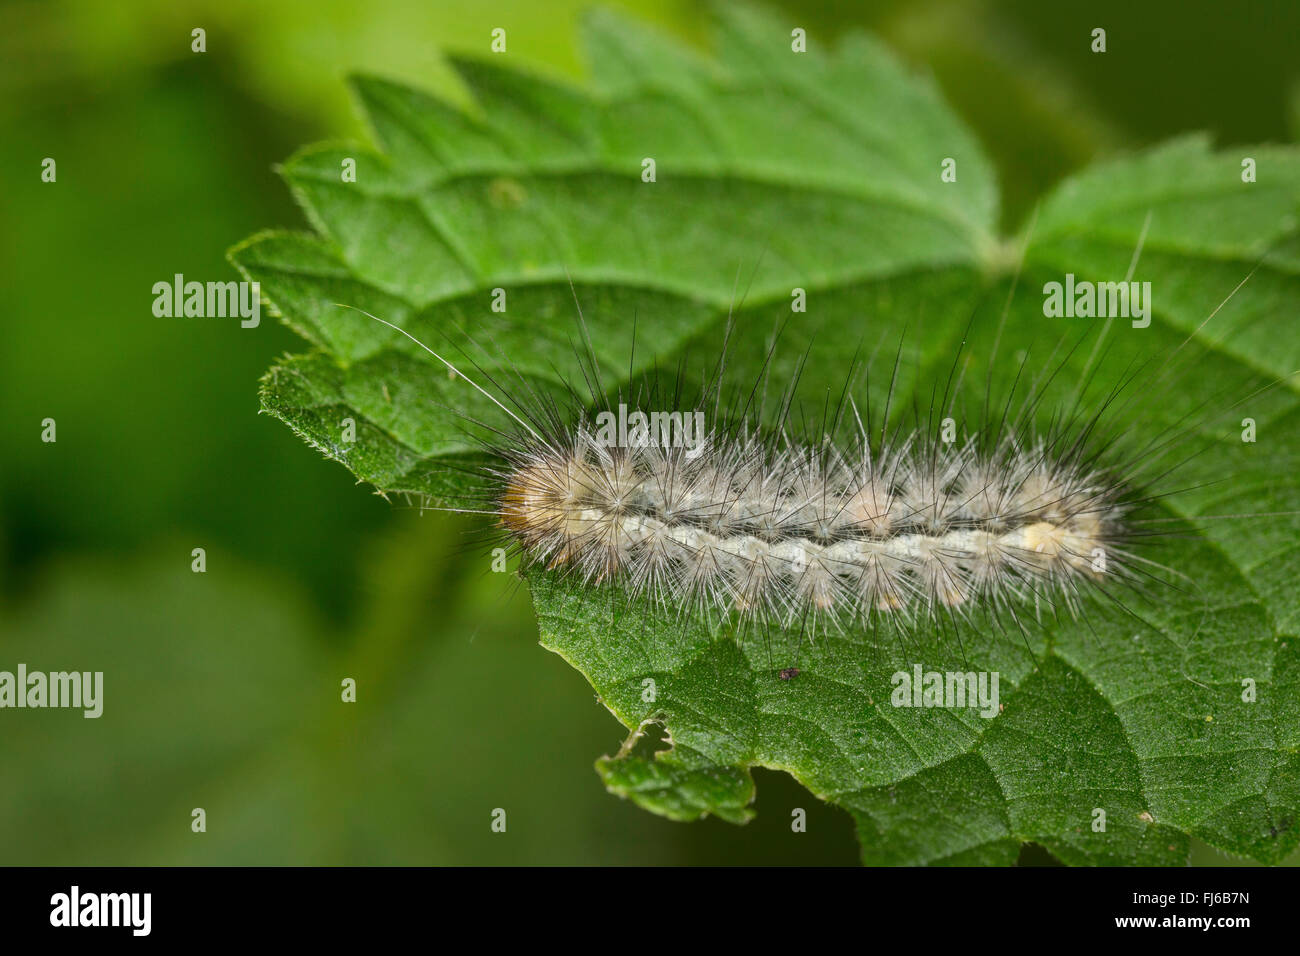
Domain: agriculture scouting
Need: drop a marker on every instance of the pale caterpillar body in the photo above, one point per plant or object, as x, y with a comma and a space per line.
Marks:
908, 527
782, 534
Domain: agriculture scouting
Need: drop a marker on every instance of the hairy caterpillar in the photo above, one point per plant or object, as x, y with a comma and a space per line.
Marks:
871, 525
783, 533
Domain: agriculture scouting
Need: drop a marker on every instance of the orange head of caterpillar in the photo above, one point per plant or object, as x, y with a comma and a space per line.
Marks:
545, 502
532, 505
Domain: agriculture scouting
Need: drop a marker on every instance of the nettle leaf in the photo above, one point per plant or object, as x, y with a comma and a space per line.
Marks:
820, 171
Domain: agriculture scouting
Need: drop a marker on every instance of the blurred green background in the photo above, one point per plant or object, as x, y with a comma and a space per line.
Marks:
222, 689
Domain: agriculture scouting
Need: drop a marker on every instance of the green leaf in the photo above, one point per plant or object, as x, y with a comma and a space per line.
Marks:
680, 792
821, 171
